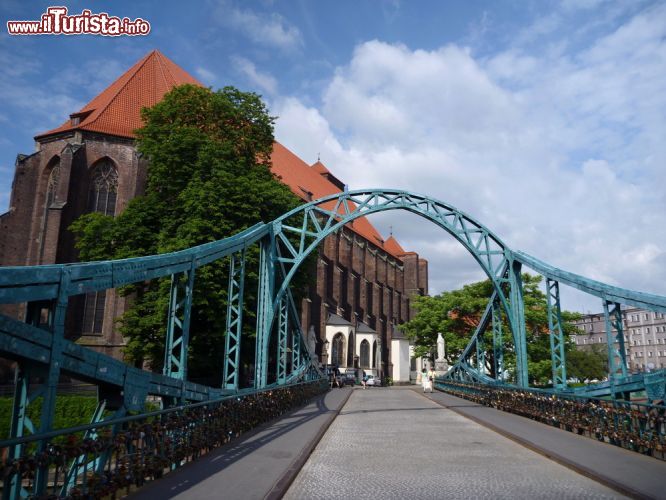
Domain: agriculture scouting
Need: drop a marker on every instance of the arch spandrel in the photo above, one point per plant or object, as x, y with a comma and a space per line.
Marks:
300, 231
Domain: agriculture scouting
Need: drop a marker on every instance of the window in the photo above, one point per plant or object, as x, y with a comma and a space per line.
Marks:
93, 315
338, 350
365, 354
52, 185
103, 188
51, 188
102, 193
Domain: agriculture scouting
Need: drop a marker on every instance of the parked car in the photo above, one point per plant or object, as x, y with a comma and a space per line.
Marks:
349, 379
373, 381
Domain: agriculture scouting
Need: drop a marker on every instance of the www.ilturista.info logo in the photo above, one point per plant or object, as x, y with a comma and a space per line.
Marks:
56, 21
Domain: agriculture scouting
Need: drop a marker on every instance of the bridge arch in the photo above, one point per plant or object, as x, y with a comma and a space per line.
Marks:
300, 231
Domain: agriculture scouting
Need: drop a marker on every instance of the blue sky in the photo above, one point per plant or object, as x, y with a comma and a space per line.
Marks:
543, 119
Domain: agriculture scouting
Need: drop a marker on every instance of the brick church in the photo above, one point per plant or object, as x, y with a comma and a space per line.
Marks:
90, 163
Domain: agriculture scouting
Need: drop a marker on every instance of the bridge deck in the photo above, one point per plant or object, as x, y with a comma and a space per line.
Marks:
256, 465
395, 443
389, 443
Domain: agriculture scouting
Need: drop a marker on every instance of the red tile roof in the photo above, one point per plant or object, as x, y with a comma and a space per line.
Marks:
117, 111
393, 246
320, 168
308, 184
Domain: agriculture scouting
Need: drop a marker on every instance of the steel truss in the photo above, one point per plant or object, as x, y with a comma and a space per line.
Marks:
42, 352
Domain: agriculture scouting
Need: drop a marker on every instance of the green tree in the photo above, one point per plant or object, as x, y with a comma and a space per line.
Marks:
208, 178
588, 364
457, 313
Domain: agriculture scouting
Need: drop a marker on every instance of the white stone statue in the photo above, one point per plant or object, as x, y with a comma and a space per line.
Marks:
440, 347
312, 340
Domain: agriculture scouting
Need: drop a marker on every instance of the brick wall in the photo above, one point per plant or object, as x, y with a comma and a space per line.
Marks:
355, 278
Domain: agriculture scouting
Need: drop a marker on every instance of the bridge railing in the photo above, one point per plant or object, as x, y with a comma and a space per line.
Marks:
636, 426
98, 460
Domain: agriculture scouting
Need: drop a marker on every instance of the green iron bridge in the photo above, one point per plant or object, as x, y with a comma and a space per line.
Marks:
126, 444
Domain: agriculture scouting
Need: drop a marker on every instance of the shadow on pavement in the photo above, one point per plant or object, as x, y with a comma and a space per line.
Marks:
190, 474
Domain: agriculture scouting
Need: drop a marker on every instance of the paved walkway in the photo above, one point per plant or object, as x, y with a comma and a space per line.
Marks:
395, 443
636, 475
258, 465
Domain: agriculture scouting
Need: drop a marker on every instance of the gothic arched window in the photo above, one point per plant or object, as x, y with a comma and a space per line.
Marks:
101, 198
103, 188
338, 350
52, 185
51, 189
365, 354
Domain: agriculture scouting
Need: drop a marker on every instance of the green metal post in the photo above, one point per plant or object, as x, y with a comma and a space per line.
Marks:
234, 329
283, 329
19, 424
265, 308
613, 320
557, 353
480, 353
518, 324
178, 324
79, 465
296, 337
51, 383
498, 346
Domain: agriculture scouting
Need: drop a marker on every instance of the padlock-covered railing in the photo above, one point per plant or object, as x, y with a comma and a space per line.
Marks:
635, 426
103, 459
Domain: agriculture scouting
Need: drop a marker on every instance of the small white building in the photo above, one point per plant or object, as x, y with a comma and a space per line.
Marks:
400, 357
346, 342
350, 346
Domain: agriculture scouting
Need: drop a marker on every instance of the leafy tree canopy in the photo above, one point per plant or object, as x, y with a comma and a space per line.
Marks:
208, 178
457, 313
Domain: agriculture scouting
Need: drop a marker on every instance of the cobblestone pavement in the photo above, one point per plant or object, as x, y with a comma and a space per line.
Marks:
394, 443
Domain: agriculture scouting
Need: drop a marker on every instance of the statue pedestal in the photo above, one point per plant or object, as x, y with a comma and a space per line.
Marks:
441, 367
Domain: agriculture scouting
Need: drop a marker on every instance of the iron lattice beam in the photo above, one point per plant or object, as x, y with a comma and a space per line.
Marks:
234, 328
178, 324
498, 345
265, 309
558, 357
617, 354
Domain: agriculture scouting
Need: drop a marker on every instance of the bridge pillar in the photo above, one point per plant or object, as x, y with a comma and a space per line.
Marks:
518, 323
53, 374
283, 330
178, 324
234, 327
617, 356
498, 347
265, 308
557, 353
481, 353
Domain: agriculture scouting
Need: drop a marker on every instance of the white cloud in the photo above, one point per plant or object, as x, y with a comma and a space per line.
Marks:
207, 76
560, 153
263, 81
271, 30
